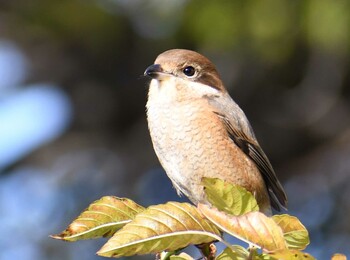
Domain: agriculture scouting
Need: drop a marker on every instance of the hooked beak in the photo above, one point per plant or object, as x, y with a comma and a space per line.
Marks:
155, 71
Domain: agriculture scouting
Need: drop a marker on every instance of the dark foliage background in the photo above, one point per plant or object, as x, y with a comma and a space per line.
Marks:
72, 107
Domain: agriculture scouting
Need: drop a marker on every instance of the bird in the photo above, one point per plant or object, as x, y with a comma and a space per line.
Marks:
198, 130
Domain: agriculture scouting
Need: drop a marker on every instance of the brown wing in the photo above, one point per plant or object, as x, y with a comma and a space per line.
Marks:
250, 147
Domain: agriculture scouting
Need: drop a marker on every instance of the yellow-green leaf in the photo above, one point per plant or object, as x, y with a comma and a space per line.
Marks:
234, 252
253, 227
287, 254
230, 198
165, 227
295, 234
182, 256
102, 218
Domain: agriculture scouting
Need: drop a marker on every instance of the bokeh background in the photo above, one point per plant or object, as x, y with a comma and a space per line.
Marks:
72, 107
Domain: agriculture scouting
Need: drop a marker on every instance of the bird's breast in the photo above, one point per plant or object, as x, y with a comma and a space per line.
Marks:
183, 136
191, 142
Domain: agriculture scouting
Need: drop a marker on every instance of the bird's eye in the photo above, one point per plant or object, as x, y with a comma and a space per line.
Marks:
189, 71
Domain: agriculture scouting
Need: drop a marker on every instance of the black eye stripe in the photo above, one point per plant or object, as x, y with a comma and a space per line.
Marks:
205, 78
209, 80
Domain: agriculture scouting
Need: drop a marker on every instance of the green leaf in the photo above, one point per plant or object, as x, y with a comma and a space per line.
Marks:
182, 256
165, 227
253, 228
295, 234
229, 198
240, 253
287, 254
102, 218
234, 253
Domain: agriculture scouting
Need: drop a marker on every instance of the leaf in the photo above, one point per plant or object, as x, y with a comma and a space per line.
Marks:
230, 198
295, 233
234, 252
172, 255
253, 227
165, 227
240, 253
102, 218
338, 257
182, 256
287, 255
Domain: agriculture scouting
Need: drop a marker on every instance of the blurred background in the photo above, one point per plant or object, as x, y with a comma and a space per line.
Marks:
72, 107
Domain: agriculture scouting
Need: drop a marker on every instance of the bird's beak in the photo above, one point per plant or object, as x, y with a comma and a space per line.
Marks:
155, 71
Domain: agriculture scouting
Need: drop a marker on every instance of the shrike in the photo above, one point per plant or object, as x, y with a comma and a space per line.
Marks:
198, 131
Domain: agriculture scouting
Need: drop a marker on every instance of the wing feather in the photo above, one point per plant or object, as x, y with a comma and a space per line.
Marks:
251, 147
